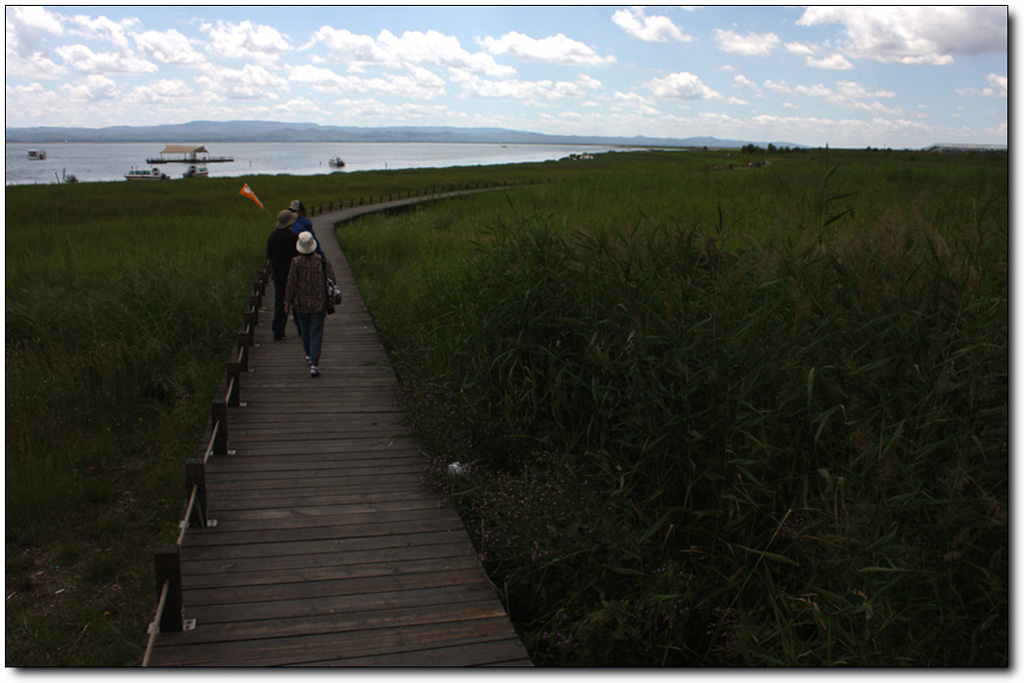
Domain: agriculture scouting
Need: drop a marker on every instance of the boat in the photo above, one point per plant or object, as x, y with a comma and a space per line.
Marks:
186, 154
67, 177
36, 155
196, 172
146, 174
336, 162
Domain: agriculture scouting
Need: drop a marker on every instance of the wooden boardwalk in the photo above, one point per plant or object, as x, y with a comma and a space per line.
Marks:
328, 550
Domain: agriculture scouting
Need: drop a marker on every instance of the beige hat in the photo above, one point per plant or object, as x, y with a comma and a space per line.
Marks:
286, 219
306, 244
297, 206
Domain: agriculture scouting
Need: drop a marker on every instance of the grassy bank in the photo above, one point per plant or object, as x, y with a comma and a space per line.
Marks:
752, 417
121, 303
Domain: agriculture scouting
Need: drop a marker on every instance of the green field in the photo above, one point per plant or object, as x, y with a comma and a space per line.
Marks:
752, 417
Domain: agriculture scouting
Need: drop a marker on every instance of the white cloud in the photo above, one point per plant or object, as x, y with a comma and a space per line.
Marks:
528, 92
163, 91
590, 83
26, 29
343, 45
634, 103
851, 90
251, 82
246, 41
104, 29
654, 29
915, 35
750, 45
169, 47
557, 49
92, 87
684, 86
744, 82
833, 61
997, 87
412, 48
800, 49
81, 58
420, 84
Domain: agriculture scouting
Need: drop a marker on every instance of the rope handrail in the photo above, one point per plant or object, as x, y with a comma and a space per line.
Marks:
154, 627
183, 524
168, 558
209, 444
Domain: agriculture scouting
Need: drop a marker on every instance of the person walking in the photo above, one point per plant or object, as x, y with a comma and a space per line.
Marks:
303, 224
306, 295
280, 252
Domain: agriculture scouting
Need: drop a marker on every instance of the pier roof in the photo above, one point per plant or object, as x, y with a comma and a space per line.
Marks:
185, 149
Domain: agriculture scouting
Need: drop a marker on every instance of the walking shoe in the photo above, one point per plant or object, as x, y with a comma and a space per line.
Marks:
314, 372
309, 361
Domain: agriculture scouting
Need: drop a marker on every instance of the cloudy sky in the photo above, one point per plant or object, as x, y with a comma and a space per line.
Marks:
848, 76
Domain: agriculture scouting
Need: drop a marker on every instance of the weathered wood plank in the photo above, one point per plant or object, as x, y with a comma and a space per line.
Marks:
328, 550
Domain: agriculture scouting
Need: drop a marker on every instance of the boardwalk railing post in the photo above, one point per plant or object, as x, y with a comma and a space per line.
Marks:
167, 561
195, 476
250, 327
219, 413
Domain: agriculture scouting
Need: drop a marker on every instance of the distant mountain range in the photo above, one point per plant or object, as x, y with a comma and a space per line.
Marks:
202, 132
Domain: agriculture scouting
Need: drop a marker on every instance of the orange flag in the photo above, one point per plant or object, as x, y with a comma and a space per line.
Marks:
246, 192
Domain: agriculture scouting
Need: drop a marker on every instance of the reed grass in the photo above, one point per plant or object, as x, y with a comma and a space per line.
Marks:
702, 423
758, 419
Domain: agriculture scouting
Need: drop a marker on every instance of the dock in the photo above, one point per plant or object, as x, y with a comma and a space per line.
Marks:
188, 154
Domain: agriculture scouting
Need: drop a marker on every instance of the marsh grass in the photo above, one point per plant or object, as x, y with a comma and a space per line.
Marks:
702, 435
826, 482
122, 301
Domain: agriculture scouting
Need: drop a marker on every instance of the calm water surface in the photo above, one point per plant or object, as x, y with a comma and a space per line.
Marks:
93, 162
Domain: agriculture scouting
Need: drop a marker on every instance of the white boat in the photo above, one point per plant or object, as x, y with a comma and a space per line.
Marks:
196, 172
336, 162
37, 155
146, 174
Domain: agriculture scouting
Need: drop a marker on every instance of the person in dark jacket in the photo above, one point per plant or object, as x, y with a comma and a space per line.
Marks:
303, 224
280, 252
306, 294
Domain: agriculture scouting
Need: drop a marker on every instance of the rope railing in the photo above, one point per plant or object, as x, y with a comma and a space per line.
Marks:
169, 615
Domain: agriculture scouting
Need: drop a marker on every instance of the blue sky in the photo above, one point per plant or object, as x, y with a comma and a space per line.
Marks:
847, 76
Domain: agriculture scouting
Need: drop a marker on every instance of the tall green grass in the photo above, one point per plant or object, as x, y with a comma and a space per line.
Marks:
122, 301
752, 417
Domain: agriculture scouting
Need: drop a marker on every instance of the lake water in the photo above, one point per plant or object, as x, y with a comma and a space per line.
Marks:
95, 162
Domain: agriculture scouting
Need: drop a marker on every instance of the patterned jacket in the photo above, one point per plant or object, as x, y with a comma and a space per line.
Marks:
306, 291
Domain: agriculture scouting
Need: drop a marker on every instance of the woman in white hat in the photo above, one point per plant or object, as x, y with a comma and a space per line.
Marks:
306, 294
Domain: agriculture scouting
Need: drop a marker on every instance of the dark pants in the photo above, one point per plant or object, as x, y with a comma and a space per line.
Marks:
312, 326
280, 319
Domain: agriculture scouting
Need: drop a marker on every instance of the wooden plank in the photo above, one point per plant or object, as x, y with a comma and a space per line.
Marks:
328, 550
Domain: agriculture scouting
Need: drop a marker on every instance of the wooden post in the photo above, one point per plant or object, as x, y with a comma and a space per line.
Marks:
167, 562
219, 413
234, 375
195, 475
243, 358
254, 306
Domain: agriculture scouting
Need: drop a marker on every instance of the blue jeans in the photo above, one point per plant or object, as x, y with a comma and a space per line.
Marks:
312, 327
